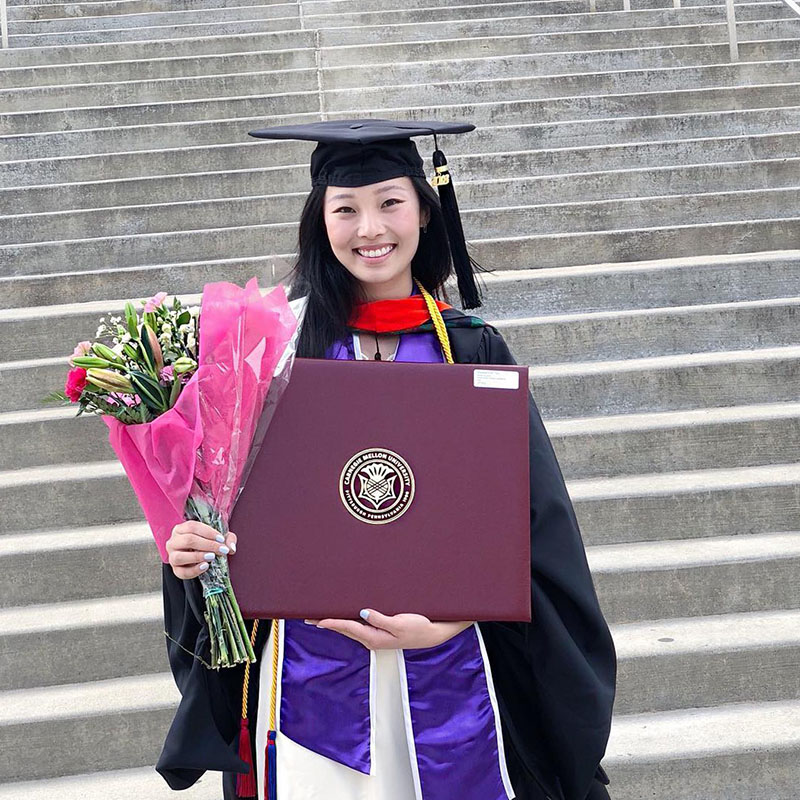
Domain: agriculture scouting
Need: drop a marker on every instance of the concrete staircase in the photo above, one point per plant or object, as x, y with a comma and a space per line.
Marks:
638, 196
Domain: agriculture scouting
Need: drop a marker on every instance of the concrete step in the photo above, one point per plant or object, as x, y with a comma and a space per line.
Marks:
125, 246
616, 335
164, 68
111, 498
72, 210
704, 576
507, 294
111, 637
568, 85
579, 43
52, 10
163, 48
54, 150
54, 731
22, 24
667, 664
399, 25
574, 41
238, 169
519, 253
548, 63
110, 560
607, 287
139, 91
217, 97
740, 751
347, 34
691, 504
142, 782
705, 438
154, 32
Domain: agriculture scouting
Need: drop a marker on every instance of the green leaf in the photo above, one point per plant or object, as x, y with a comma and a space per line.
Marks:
150, 390
184, 318
147, 350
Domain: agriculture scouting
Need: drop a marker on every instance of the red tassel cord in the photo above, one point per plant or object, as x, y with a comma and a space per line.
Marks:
246, 783
271, 788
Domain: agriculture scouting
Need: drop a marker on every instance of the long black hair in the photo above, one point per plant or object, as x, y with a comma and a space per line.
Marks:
333, 292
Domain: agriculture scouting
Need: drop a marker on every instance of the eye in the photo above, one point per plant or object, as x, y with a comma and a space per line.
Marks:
392, 201
343, 210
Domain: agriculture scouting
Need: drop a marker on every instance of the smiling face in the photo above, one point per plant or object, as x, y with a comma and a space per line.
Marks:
374, 232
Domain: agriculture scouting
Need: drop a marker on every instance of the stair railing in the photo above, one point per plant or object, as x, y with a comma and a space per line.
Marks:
3, 24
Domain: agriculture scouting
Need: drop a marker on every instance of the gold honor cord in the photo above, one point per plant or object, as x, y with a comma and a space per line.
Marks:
438, 322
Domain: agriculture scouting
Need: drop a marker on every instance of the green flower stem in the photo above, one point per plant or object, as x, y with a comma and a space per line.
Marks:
230, 643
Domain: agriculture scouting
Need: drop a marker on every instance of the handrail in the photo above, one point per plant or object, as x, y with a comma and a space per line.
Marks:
793, 6
3, 24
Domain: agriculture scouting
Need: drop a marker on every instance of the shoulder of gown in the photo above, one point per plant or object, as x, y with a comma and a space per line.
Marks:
555, 677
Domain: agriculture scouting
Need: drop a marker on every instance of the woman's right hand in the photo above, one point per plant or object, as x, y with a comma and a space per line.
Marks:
194, 545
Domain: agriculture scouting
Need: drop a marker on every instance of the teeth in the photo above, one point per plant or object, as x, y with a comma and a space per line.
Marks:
376, 253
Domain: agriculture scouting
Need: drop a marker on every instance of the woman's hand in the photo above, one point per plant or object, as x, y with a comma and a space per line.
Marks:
401, 631
194, 545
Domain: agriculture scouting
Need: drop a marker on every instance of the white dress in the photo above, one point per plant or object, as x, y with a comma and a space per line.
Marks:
306, 775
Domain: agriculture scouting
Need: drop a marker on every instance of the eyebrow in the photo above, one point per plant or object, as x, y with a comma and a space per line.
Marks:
391, 188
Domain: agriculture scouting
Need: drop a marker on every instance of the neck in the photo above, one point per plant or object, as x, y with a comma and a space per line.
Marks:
397, 289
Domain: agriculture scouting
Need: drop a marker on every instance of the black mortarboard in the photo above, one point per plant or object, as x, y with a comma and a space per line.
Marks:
358, 152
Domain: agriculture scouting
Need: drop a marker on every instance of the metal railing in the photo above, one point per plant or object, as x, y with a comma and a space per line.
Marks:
3, 24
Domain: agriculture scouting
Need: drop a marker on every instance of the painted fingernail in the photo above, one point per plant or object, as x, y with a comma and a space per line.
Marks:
220, 538
204, 566
210, 556
232, 545
364, 614
224, 550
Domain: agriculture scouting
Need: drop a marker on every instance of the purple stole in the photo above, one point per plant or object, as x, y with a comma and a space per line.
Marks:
452, 722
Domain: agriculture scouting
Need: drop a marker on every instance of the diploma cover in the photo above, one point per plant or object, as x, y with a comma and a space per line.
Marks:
402, 487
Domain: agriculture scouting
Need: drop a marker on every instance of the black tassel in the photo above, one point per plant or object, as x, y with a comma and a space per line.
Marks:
467, 288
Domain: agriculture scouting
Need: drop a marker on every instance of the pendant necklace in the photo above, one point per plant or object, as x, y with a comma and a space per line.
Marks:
377, 348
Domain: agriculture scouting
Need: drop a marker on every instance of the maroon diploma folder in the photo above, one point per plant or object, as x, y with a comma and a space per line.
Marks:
401, 487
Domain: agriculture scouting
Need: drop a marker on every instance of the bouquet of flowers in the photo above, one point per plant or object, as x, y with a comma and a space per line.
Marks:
182, 417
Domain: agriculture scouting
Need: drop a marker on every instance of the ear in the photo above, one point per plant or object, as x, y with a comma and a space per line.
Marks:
424, 216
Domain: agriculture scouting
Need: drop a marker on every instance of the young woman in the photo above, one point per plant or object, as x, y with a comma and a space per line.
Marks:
400, 707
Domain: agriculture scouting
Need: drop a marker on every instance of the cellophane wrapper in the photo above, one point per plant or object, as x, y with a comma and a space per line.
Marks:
191, 462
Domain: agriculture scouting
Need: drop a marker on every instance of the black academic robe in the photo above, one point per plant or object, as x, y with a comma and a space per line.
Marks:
554, 678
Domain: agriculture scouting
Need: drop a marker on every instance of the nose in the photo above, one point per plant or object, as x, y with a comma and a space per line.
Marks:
370, 225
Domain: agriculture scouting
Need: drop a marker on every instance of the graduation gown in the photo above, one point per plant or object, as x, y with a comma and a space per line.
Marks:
554, 677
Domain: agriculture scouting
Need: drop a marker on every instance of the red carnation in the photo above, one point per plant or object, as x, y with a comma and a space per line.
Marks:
76, 383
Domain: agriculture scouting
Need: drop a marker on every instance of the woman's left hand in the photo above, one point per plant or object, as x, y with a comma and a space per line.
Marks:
401, 631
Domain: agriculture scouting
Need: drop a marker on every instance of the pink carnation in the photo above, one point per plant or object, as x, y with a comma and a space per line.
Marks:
154, 302
166, 374
76, 383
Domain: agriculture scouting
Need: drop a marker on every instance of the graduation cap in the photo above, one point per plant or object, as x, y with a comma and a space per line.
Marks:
359, 152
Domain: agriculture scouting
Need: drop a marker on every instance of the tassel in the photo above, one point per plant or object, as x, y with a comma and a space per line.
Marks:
467, 288
271, 788
246, 782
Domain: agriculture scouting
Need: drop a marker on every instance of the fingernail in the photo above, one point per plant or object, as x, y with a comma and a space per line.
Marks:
210, 556
308, 622
224, 550
232, 545
220, 538
364, 614
204, 566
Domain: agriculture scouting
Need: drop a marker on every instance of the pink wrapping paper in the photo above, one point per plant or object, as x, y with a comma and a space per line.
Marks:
204, 440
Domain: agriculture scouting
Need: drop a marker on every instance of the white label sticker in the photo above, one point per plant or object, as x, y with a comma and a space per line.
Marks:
495, 379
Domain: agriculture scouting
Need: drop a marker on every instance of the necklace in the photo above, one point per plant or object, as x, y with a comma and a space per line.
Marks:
377, 348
